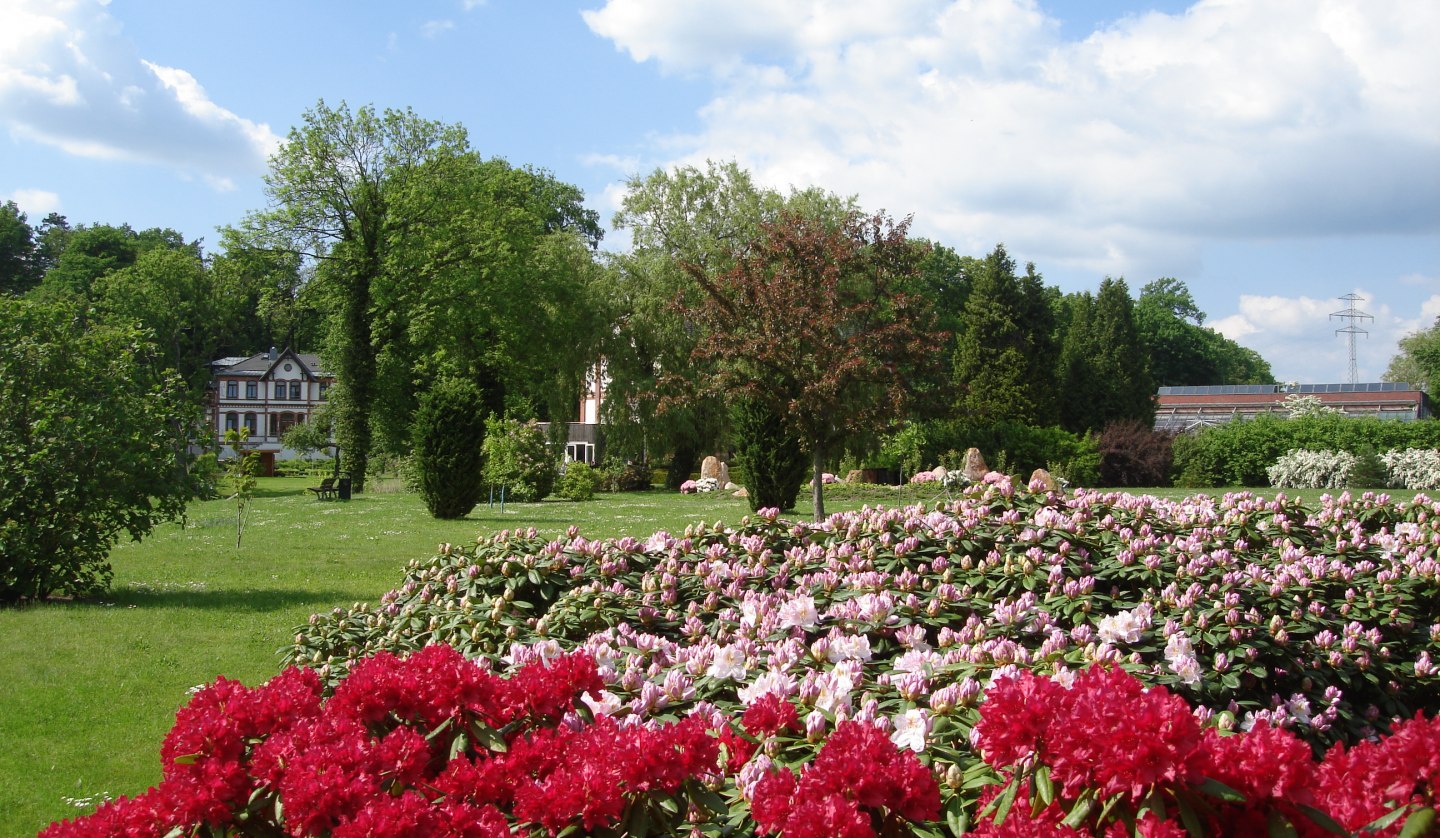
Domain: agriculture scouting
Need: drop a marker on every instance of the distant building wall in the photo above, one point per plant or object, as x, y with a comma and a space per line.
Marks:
1185, 408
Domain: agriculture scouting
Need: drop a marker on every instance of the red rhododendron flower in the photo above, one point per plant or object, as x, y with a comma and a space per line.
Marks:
769, 715
858, 769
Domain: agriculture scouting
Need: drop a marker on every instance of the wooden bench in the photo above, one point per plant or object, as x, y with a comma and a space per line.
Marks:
325, 491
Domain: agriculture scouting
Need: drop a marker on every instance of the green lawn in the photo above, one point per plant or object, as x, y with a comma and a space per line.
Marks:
88, 690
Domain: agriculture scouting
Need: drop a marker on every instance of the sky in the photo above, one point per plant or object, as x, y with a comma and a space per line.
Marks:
1275, 155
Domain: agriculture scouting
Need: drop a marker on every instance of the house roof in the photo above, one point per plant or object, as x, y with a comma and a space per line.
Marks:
261, 364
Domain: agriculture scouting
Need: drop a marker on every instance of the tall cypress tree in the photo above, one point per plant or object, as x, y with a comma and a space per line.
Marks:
1104, 367
1004, 354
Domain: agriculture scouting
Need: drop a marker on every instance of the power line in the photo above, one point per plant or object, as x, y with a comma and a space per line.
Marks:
1351, 316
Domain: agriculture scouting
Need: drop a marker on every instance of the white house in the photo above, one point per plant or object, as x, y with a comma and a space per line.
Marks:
267, 393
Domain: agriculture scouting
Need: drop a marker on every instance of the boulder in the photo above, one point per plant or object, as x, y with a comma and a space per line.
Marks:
854, 476
1046, 482
742, 492
975, 468
939, 472
724, 475
711, 468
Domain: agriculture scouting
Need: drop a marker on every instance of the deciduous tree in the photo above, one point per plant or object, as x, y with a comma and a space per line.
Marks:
809, 324
1418, 360
346, 189
94, 441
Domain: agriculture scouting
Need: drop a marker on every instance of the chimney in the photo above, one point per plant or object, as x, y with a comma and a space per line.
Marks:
273, 353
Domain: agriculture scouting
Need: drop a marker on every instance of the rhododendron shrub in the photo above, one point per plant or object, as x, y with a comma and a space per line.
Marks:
434, 745
1324, 621
1103, 754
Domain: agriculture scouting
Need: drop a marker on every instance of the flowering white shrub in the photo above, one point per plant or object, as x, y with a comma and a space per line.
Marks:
1300, 407
704, 484
1302, 469
1416, 469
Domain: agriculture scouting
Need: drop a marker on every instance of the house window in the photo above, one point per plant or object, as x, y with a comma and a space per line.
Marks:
250, 392
232, 390
232, 421
287, 421
580, 452
295, 391
274, 431
324, 389
250, 426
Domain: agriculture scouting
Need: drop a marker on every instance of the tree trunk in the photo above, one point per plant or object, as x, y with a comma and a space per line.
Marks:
682, 462
817, 485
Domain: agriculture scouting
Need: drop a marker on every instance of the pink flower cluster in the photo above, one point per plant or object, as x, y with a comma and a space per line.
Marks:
1112, 751
433, 745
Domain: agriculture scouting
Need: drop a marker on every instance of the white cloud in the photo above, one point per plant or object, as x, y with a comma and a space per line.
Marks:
1237, 119
1300, 336
436, 28
70, 79
35, 203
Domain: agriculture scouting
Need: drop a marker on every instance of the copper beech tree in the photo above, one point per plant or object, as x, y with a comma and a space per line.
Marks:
810, 323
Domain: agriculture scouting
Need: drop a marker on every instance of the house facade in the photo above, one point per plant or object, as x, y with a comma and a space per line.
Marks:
1186, 408
268, 394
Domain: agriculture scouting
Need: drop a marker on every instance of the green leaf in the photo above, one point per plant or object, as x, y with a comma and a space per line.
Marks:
1322, 820
1081, 810
1005, 801
1385, 820
1215, 788
1279, 826
1418, 824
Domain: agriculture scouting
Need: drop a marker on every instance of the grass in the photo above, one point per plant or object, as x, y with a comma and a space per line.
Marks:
89, 689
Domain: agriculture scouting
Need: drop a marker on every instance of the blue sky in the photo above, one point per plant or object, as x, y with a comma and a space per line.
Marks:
1273, 154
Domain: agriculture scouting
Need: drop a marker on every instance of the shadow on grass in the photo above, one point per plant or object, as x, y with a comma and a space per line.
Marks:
260, 600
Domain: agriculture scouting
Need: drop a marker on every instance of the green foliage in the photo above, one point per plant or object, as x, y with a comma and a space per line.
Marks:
239, 478
769, 455
1104, 370
17, 251
205, 476
577, 482
1019, 448
450, 431
1004, 362
811, 321
1239, 453
1418, 361
518, 458
618, 475
348, 190
1369, 471
1182, 350
94, 447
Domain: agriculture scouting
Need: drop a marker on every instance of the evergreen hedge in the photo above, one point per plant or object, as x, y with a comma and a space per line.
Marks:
769, 456
449, 434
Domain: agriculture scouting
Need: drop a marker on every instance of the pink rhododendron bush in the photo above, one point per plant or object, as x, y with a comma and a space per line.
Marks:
1013, 662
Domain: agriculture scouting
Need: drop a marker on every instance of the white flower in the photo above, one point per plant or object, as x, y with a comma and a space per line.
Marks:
1125, 627
917, 661
835, 690
770, 682
910, 729
728, 662
848, 647
606, 705
800, 612
750, 613
1187, 668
